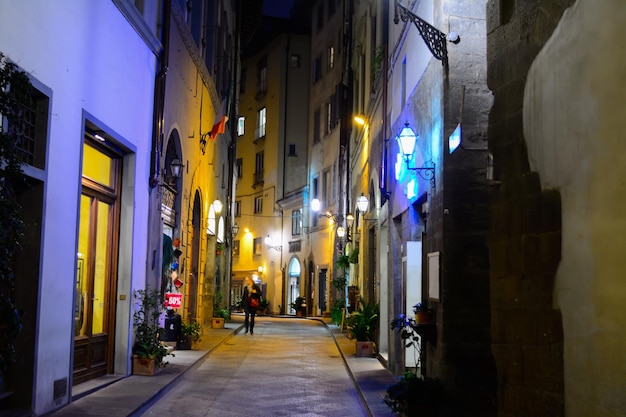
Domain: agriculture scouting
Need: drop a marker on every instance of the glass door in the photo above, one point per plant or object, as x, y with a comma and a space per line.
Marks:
96, 266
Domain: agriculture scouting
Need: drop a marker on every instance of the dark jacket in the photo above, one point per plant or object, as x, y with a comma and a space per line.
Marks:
246, 296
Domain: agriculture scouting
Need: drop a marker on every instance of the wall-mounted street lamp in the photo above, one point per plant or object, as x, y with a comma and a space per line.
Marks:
235, 229
349, 223
362, 203
175, 167
270, 244
217, 206
341, 233
359, 119
406, 140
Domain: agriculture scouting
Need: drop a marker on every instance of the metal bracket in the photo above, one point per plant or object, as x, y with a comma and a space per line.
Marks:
434, 38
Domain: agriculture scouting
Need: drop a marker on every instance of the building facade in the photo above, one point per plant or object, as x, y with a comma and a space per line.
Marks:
85, 251
272, 163
131, 114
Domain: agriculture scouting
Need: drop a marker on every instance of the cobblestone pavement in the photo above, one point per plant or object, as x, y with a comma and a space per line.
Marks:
289, 367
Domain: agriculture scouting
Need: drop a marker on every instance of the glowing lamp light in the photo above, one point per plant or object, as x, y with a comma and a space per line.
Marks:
316, 204
362, 203
217, 205
406, 139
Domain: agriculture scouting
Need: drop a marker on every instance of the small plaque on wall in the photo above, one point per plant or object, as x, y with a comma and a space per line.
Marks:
433, 276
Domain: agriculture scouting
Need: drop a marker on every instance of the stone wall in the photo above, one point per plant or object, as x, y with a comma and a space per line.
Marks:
525, 237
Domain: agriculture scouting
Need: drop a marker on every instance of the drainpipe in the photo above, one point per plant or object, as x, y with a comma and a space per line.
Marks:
232, 148
384, 191
159, 98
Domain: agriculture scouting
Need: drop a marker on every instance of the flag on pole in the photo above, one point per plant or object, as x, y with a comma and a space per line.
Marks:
220, 120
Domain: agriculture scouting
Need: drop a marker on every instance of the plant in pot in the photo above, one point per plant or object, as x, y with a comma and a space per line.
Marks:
413, 394
190, 334
343, 261
362, 325
298, 306
220, 313
219, 247
148, 351
423, 314
353, 258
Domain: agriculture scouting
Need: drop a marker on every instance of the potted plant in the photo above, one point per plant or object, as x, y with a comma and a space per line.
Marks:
219, 247
220, 314
343, 261
413, 394
190, 334
353, 258
362, 325
298, 306
423, 314
148, 351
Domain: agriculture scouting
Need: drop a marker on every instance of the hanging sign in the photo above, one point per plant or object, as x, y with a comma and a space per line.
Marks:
174, 300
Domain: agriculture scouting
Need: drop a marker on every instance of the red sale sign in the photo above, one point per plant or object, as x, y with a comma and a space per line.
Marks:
174, 300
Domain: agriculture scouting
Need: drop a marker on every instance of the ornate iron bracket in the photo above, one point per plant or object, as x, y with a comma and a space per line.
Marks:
427, 173
434, 38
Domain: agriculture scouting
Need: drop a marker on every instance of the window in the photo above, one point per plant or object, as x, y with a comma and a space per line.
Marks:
317, 69
315, 188
241, 126
316, 126
259, 167
239, 167
296, 222
262, 77
237, 208
33, 125
325, 194
329, 117
315, 195
257, 245
261, 121
295, 61
242, 81
292, 150
258, 205
331, 57
235, 248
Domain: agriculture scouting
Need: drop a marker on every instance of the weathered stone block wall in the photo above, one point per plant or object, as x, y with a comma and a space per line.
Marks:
461, 356
525, 236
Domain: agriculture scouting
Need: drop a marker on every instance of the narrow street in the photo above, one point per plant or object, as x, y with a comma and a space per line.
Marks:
289, 367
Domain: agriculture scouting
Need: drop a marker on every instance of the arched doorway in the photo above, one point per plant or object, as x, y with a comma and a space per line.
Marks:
293, 278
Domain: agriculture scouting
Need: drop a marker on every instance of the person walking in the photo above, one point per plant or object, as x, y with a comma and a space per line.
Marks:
251, 300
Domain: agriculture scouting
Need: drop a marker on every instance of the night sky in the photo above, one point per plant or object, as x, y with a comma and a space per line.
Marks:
278, 8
